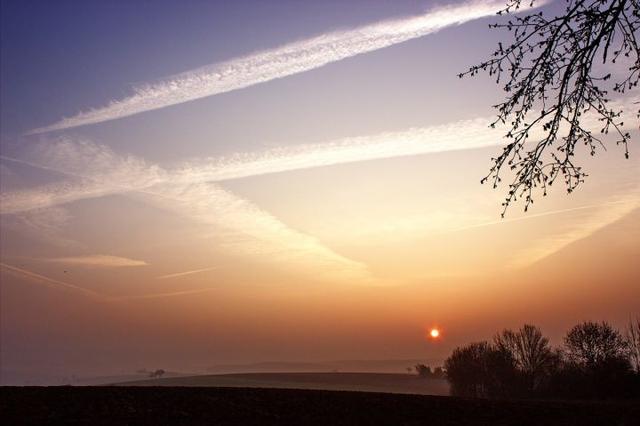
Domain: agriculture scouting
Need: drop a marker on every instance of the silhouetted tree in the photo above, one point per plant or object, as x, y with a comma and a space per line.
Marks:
595, 363
438, 373
533, 357
590, 343
598, 362
554, 87
479, 370
633, 343
464, 369
423, 370
158, 373
501, 379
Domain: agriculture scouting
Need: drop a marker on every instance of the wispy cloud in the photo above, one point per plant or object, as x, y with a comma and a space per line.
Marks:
41, 279
543, 214
98, 261
581, 226
162, 295
94, 171
292, 58
189, 189
97, 171
66, 286
46, 224
182, 274
458, 135
246, 229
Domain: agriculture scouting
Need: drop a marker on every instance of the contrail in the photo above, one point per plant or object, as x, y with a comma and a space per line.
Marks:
133, 175
249, 230
283, 61
252, 230
163, 295
51, 281
98, 261
578, 229
625, 202
459, 135
129, 174
182, 274
93, 294
115, 174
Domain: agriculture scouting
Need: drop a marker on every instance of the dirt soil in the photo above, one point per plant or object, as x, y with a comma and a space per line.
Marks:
254, 406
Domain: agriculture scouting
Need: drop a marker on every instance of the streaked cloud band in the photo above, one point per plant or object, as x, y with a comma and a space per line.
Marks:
112, 174
185, 273
98, 261
283, 61
115, 174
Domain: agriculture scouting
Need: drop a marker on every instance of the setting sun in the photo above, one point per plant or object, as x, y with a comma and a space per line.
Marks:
267, 211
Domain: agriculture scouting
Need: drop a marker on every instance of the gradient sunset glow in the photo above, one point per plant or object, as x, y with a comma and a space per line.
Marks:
239, 182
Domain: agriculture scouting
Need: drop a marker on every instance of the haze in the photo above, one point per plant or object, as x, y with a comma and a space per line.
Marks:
217, 183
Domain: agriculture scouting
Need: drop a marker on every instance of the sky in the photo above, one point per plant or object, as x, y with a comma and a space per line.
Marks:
236, 182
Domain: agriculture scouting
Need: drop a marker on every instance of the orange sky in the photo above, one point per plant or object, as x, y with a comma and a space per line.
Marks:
332, 214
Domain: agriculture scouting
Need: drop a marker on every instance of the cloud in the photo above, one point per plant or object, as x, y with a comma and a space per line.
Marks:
289, 59
47, 224
63, 285
182, 274
189, 188
98, 261
96, 171
581, 226
538, 215
246, 229
162, 295
458, 135
41, 279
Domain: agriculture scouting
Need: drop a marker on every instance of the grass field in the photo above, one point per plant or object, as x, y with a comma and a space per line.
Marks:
252, 406
364, 382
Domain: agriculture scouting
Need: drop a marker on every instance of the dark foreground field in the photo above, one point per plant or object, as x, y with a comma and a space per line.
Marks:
236, 406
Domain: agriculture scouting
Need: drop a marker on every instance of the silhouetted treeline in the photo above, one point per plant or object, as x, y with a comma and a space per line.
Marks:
596, 361
426, 372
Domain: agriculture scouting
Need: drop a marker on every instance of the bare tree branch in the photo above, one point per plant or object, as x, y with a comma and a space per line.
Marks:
552, 85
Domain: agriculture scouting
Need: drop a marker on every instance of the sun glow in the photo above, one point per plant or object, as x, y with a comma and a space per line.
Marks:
434, 333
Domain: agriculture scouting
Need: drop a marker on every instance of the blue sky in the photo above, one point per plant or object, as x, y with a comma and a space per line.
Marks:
63, 58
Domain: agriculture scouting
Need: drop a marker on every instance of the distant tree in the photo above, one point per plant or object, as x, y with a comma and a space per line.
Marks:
633, 343
554, 85
157, 373
438, 373
590, 344
531, 352
409, 370
423, 371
